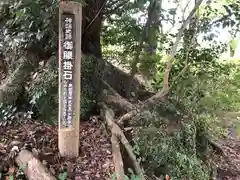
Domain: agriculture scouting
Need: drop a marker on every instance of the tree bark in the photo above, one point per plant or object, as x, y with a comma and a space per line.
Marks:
92, 24
134, 68
94, 68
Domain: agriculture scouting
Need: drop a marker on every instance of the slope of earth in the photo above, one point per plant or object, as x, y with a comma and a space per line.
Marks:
94, 162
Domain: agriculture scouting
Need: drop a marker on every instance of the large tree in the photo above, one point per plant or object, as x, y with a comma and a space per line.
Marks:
38, 42
29, 31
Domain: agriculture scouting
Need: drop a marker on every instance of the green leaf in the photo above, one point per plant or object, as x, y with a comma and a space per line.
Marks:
62, 176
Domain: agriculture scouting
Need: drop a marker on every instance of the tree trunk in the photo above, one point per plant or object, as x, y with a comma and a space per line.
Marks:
94, 68
91, 27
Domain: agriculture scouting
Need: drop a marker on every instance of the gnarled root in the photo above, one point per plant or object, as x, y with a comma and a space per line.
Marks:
108, 115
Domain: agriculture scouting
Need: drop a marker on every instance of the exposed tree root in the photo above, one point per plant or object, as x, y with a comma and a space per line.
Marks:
131, 155
117, 102
216, 146
111, 97
108, 115
117, 157
32, 167
129, 115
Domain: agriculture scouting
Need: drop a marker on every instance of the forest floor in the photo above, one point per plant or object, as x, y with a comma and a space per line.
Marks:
228, 165
95, 160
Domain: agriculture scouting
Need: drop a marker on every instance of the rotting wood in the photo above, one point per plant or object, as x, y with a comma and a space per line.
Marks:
32, 167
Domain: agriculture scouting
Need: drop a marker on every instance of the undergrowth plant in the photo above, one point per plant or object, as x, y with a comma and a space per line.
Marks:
10, 115
43, 92
116, 176
175, 153
180, 146
7, 113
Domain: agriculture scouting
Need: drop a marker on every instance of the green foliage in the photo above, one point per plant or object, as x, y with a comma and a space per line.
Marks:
174, 153
43, 91
148, 64
22, 26
62, 176
131, 177
22, 23
90, 84
205, 87
23, 29
124, 30
7, 114
10, 115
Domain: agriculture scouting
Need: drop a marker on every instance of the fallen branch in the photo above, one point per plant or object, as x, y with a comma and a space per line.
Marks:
32, 167
160, 96
131, 155
116, 131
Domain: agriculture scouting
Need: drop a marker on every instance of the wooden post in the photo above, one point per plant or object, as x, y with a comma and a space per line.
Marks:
70, 22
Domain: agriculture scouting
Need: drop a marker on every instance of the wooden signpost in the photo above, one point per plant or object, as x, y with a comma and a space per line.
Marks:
70, 19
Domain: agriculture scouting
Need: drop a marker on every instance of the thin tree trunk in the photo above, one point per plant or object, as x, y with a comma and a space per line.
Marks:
136, 60
160, 95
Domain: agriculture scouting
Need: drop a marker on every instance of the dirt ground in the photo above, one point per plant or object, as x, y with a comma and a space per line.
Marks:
229, 163
95, 161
